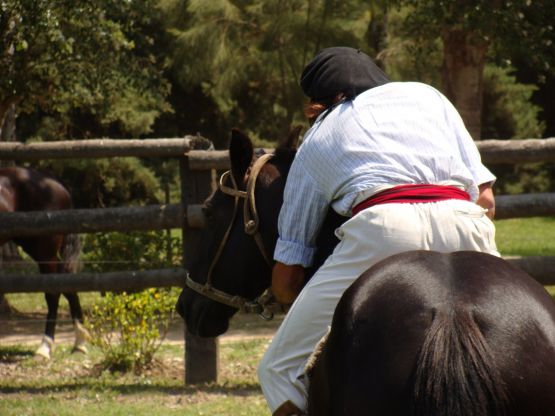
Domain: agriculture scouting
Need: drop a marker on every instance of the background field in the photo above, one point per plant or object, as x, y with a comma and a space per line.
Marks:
72, 384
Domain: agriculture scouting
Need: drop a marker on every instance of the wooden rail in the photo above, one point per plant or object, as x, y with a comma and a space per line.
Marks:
517, 151
98, 148
524, 205
541, 268
492, 151
161, 217
92, 282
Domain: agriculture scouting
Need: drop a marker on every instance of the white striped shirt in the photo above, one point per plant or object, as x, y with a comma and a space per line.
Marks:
394, 134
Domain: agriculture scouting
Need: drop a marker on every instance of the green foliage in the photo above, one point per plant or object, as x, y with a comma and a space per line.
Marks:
111, 182
132, 250
62, 56
507, 109
130, 327
524, 178
508, 112
410, 57
520, 27
250, 65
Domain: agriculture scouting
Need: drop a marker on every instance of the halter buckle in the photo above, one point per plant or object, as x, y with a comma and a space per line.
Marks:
251, 227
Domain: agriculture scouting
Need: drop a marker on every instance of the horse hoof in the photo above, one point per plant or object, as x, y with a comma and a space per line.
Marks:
80, 348
45, 348
81, 338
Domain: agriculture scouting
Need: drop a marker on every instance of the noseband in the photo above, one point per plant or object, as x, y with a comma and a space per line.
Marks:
263, 305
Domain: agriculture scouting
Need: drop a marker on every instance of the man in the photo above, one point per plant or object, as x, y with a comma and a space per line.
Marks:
397, 159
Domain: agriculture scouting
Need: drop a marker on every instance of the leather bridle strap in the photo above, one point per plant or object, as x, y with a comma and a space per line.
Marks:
250, 214
261, 305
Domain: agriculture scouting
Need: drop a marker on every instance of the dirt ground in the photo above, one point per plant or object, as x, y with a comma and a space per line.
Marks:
27, 329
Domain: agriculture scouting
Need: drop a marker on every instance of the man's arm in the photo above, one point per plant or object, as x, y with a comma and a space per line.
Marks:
287, 281
486, 199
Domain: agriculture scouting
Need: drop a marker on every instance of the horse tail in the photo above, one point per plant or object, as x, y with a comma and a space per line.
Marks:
456, 373
70, 253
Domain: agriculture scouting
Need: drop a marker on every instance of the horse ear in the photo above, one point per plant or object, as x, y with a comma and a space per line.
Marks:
292, 139
240, 154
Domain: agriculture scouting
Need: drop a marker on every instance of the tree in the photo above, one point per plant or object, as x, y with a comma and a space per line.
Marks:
473, 32
65, 55
248, 55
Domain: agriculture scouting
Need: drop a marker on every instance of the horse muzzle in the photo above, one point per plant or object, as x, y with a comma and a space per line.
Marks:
203, 317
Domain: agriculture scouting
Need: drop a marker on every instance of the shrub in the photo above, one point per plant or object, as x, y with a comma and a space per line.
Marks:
134, 250
130, 327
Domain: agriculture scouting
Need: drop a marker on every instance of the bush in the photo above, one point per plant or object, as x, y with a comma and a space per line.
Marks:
134, 250
130, 327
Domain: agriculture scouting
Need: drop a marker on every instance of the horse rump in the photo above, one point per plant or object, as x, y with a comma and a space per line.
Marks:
427, 333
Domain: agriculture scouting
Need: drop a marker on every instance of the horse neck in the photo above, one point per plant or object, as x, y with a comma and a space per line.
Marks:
326, 240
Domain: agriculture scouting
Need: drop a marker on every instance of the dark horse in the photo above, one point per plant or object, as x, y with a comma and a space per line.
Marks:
24, 189
419, 333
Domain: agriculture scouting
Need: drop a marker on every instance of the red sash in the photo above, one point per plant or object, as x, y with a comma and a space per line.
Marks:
412, 194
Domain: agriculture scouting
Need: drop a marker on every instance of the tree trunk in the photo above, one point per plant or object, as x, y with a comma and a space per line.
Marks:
7, 134
464, 58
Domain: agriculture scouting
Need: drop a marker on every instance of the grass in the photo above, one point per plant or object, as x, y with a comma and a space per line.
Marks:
526, 236
71, 384
35, 303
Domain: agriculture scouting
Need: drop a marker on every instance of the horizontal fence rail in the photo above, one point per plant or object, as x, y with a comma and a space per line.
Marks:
161, 217
492, 151
524, 205
92, 282
517, 151
97, 148
150, 217
541, 268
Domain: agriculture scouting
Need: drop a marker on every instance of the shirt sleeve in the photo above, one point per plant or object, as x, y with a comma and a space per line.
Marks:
302, 213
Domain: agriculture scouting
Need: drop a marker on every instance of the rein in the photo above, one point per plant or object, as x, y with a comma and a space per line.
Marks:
262, 305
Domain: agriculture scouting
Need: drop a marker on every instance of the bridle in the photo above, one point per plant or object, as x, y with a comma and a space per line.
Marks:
264, 305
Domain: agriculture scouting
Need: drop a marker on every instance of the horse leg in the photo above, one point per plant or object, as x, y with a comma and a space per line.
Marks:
47, 343
44, 252
81, 333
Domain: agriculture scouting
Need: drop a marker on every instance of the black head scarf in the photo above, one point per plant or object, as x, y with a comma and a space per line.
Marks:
340, 70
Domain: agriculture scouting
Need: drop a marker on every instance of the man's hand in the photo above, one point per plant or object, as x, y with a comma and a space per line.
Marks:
287, 282
486, 199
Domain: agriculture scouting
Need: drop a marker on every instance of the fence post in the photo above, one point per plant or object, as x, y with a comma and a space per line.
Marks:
201, 354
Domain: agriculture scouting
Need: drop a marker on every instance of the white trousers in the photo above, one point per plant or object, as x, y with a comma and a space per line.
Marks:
370, 236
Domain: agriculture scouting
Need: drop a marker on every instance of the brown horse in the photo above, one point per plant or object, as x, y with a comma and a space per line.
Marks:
23, 190
420, 333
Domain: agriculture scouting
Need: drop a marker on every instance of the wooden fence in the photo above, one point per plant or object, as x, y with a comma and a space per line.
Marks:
197, 167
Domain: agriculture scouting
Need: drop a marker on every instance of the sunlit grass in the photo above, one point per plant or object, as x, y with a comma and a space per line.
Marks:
69, 385
35, 302
526, 236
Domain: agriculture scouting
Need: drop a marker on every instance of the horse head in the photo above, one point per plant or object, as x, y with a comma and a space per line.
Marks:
234, 255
